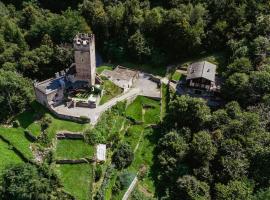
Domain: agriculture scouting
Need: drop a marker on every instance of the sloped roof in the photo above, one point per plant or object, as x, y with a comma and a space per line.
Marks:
202, 69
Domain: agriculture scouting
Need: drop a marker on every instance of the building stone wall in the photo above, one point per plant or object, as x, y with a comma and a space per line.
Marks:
41, 97
85, 57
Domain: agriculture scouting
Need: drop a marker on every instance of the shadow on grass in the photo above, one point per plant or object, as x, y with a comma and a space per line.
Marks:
29, 116
155, 168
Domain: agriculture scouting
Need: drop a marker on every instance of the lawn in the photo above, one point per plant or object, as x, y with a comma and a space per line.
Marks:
151, 110
29, 120
134, 110
16, 137
77, 180
73, 149
133, 135
100, 69
8, 156
110, 91
144, 157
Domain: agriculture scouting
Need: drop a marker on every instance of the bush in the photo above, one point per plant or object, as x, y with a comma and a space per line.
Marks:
16, 124
93, 137
125, 179
98, 173
45, 122
84, 119
123, 156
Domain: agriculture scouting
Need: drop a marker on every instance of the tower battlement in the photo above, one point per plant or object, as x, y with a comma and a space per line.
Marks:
83, 41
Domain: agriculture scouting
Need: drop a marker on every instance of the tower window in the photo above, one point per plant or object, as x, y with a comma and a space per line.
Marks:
82, 60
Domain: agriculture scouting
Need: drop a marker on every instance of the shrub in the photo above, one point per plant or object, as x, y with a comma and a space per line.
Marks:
123, 156
84, 119
93, 137
16, 124
98, 173
45, 122
125, 179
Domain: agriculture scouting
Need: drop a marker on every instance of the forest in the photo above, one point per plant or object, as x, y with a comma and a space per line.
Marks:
201, 153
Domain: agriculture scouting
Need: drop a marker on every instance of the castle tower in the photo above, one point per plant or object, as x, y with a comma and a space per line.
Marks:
85, 57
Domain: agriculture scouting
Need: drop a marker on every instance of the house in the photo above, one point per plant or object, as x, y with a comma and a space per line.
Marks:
201, 78
122, 77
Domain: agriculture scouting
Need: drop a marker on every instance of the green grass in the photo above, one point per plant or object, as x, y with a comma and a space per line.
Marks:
110, 91
8, 156
58, 125
16, 137
28, 120
144, 156
152, 115
176, 76
134, 110
77, 180
100, 69
73, 149
152, 110
133, 134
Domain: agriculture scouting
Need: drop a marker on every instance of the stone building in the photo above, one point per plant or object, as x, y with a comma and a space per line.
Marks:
80, 74
122, 77
85, 57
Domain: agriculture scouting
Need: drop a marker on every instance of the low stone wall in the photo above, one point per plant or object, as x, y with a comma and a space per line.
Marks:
69, 135
82, 119
76, 161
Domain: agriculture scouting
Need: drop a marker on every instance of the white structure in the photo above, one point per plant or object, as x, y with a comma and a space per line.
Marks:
101, 152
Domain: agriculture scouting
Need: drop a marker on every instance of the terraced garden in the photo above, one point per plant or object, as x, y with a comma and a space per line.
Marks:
8, 156
73, 149
77, 179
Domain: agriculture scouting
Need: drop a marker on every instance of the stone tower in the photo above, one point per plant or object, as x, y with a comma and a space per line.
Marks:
85, 57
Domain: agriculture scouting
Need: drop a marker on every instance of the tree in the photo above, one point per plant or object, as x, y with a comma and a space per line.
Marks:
202, 147
138, 46
240, 65
28, 182
236, 190
185, 111
189, 188
15, 93
232, 162
172, 150
236, 88
123, 156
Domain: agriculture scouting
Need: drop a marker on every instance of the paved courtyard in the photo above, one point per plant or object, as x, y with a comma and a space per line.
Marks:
148, 87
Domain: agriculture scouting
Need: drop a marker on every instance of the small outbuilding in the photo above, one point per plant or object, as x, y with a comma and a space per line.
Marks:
101, 152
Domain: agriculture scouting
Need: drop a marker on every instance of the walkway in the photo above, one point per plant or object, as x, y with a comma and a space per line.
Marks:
94, 114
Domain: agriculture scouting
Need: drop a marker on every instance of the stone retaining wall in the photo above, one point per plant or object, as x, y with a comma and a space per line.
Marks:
82, 119
76, 161
69, 135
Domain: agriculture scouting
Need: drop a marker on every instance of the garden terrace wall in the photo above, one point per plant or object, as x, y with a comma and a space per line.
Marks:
69, 135
82, 119
76, 161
